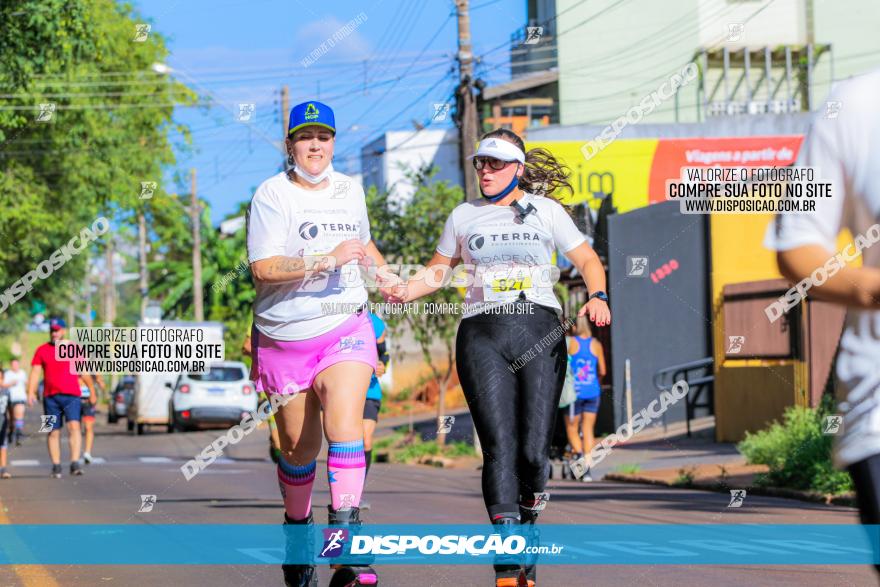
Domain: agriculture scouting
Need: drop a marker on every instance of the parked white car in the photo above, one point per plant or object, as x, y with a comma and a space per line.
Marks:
222, 396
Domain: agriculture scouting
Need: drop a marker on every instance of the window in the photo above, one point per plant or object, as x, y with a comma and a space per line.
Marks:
220, 374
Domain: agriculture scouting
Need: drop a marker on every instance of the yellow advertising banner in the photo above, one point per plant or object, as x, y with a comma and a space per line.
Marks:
623, 167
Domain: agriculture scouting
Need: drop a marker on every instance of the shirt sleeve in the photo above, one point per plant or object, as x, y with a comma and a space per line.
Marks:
37, 361
566, 235
267, 226
448, 245
823, 150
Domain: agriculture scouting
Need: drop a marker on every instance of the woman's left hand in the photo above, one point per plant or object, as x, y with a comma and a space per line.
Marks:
598, 312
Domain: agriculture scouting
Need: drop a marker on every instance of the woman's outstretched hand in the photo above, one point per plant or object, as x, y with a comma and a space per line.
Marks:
598, 311
394, 290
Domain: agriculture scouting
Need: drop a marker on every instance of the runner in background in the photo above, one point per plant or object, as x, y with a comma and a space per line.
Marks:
373, 403
4, 430
588, 367
15, 378
843, 150
274, 442
88, 418
61, 398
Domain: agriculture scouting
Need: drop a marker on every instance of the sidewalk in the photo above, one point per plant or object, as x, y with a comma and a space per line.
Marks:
655, 449
671, 459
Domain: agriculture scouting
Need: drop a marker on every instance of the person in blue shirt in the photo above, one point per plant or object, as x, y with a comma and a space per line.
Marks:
374, 392
588, 367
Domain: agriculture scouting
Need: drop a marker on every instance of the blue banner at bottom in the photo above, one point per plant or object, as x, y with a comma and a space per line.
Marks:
420, 544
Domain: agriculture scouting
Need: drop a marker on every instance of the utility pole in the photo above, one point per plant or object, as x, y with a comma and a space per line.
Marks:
109, 287
194, 212
88, 292
285, 120
466, 103
142, 254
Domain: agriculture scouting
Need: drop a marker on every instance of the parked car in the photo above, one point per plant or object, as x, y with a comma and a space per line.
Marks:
120, 399
222, 396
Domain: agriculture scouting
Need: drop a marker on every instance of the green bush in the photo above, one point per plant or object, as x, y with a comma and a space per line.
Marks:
797, 453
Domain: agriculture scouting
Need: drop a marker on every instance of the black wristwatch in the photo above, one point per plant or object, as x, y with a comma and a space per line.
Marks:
599, 294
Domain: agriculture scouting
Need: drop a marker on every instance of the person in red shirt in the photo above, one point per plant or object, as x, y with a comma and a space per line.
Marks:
61, 398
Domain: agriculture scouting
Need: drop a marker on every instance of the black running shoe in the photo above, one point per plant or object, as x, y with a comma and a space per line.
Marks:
75, 468
300, 575
56, 471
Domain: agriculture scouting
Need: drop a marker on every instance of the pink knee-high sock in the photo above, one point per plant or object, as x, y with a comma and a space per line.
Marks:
346, 470
296, 488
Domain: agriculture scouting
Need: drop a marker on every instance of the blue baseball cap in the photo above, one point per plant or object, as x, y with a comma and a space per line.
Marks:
309, 113
57, 324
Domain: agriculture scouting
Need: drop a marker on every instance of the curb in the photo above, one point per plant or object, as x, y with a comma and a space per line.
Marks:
845, 499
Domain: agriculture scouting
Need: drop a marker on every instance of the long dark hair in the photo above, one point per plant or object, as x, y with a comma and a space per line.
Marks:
543, 174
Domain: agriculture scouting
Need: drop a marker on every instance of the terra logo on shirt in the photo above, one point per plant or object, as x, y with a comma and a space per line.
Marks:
475, 242
308, 230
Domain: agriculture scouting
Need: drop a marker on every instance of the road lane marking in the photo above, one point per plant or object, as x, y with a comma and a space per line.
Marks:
30, 575
154, 459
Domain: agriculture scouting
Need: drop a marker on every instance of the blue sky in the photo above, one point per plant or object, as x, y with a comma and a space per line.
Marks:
240, 51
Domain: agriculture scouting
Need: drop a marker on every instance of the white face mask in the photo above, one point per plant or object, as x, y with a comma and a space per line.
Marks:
313, 179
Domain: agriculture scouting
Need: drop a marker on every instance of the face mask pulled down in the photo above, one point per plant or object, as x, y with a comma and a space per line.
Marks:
313, 179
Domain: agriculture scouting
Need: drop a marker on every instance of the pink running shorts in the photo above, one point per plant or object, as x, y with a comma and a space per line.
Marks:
290, 366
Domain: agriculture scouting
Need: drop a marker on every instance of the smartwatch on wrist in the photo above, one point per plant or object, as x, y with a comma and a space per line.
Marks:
599, 294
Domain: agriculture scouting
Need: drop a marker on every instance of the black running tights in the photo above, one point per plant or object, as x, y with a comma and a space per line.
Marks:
512, 367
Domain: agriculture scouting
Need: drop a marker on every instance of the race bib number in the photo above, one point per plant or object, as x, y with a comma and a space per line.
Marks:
317, 248
506, 284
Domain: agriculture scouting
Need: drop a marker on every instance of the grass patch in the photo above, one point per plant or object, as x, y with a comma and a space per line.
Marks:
685, 476
628, 469
405, 449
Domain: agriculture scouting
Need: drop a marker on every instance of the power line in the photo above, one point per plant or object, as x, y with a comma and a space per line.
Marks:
203, 73
413, 103
391, 87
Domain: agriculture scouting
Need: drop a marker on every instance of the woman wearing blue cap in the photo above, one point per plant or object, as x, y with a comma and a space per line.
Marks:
510, 347
312, 340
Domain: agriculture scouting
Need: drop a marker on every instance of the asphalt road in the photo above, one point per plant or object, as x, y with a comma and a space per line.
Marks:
242, 488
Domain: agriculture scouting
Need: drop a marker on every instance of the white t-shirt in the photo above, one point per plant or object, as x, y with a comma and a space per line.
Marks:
285, 219
846, 151
15, 381
510, 257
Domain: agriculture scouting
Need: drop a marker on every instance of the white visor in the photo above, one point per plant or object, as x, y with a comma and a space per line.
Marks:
499, 149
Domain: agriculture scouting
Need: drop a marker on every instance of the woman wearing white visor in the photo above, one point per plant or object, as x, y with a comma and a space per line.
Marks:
510, 347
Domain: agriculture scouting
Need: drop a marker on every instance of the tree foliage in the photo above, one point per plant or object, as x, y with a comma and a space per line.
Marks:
105, 126
407, 233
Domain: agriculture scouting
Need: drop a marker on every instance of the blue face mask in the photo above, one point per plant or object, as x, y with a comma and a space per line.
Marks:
513, 183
